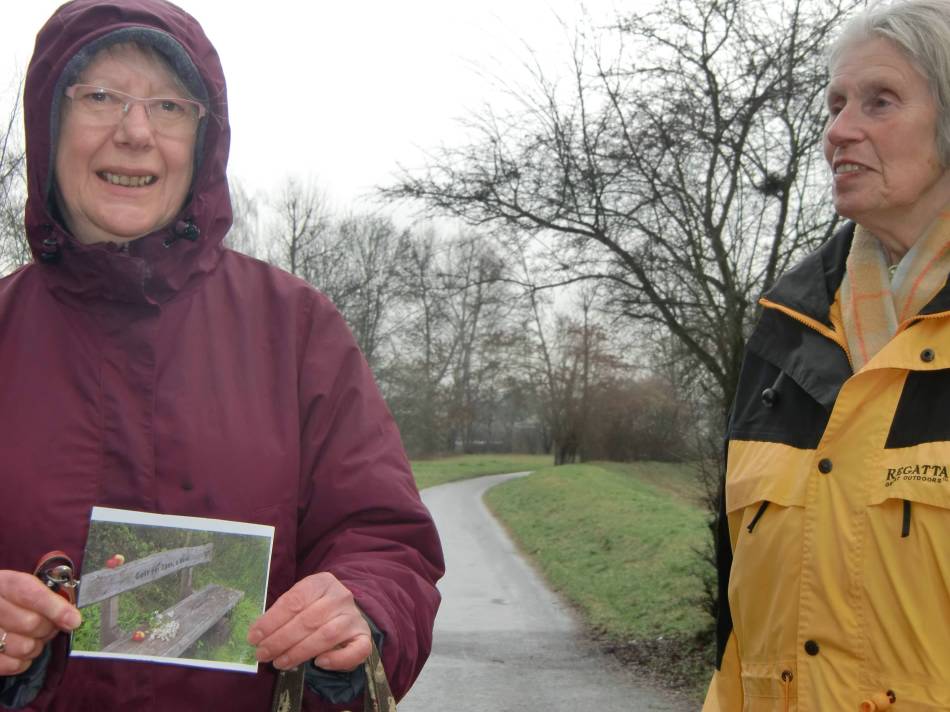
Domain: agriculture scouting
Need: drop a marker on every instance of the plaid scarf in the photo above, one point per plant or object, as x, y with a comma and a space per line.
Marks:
874, 304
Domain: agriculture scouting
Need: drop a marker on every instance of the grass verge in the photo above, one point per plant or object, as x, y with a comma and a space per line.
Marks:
438, 471
622, 549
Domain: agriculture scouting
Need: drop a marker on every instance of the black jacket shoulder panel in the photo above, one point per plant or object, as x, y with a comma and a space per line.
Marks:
771, 406
814, 362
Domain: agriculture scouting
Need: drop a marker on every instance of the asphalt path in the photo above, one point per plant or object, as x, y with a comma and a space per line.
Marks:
503, 641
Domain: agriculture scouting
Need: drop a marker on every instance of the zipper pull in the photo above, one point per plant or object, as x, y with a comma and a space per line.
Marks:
787, 678
758, 515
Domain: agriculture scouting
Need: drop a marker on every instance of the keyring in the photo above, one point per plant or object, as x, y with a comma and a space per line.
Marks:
57, 571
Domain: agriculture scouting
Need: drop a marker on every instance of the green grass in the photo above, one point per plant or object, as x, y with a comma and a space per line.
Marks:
430, 473
619, 542
677, 479
236, 649
619, 548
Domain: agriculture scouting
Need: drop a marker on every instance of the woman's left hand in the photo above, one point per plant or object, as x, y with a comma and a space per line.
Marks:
315, 620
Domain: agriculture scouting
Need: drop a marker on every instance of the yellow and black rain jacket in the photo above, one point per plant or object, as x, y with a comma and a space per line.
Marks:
835, 534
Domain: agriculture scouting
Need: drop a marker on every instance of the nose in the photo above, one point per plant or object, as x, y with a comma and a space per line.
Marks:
135, 128
844, 127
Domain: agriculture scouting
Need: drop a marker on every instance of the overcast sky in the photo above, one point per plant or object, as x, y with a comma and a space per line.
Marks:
343, 91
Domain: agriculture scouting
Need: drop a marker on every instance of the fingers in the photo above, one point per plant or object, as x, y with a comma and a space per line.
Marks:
19, 651
30, 616
302, 595
341, 643
316, 617
347, 656
27, 606
22, 647
24, 621
13, 666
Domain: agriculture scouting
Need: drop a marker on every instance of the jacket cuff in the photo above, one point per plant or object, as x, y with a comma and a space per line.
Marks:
341, 687
20, 690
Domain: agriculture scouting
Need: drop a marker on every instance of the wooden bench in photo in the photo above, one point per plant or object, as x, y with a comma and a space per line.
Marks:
197, 612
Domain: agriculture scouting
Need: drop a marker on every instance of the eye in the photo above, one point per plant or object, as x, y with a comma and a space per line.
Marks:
171, 107
834, 103
96, 96
882, 101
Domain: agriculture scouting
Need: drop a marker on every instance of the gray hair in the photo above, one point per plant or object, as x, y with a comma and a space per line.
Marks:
155, 56
921, 30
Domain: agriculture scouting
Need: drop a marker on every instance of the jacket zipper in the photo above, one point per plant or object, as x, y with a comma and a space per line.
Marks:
830, 333
822, 329
920, 317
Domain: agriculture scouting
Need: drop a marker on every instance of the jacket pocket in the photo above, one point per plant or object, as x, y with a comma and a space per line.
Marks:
766, 471
905, 576
909, 478
918, 474
766, 487
760, 475
769, 687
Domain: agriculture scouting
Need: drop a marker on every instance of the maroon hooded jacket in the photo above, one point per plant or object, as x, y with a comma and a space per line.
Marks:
177, 376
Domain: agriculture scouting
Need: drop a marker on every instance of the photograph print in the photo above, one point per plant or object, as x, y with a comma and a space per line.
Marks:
172, 589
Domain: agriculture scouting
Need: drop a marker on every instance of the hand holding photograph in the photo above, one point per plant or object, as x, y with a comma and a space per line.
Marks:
172, 589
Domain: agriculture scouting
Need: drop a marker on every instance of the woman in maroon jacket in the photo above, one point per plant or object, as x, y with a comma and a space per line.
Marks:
145, 366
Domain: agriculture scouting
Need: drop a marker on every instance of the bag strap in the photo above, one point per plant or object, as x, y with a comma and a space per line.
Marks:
377, 697
288, 693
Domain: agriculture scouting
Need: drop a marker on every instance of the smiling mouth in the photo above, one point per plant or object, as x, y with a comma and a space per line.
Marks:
843, 168
127, 181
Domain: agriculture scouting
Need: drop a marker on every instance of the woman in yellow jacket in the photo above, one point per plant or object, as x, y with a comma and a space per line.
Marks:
835, 539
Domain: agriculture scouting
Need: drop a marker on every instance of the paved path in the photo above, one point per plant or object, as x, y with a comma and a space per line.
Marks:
503, 641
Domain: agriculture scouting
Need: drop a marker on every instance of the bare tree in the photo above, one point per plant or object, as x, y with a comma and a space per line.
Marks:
424, 354
480, 308
373, 249
567, 356
455, 326
244, 235
14, 249
682, 174
299, 238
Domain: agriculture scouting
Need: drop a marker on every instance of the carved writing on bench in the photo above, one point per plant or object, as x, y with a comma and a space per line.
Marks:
99, 585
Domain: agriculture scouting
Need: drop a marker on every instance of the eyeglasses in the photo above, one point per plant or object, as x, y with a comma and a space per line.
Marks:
107, 107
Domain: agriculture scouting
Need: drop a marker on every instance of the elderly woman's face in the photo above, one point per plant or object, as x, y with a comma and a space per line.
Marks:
122, 180
880, 140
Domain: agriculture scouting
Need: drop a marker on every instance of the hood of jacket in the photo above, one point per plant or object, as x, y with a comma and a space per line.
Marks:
156, 267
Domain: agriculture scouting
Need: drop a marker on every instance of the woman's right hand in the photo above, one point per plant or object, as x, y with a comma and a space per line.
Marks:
31, 615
